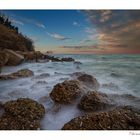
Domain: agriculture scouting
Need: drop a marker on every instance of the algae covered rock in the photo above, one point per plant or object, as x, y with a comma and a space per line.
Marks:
123, 118
25, 107
22, 114
66, 92
94, 101
19, 74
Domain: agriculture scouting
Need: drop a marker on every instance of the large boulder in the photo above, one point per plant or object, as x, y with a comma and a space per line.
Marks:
27, 55
66, 92
123, 118
14, 58
89, 81
94, 101
22, 114
4, 57
19, 74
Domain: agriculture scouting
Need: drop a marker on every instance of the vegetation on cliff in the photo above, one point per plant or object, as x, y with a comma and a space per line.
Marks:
11, 38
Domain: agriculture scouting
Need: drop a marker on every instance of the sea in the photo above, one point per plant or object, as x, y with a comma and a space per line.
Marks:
117, 74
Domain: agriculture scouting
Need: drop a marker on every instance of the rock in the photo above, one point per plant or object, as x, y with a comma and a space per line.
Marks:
113, 74
94, 101
52, 58
44, 99
28, 55
3, 58
8, 122
66, 92
77, 62
41, 82
55, 59
69, 59
22, 114
56, 108
89, 81
14, 58
123, 118
77, 74
43, 75
19, 74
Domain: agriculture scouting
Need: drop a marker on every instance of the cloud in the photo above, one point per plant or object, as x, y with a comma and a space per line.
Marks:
118, 28
78, 47
76, 24
17, 22
57, 36
40, 25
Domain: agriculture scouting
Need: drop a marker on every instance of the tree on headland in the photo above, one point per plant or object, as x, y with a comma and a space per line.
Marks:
29, 43
26, 41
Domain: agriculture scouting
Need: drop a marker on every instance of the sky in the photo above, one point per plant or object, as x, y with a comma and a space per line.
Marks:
80, 31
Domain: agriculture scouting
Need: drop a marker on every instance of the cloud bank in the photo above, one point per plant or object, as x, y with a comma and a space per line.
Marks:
116, 28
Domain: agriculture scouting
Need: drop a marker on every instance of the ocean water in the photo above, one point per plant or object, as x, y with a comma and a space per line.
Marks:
117, 74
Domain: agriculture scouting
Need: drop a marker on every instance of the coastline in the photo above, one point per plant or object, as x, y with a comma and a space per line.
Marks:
49, 74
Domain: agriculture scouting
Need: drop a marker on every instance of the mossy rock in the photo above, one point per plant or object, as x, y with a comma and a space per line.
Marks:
25, 107
123, 118
94, 101
22, 114
66, 92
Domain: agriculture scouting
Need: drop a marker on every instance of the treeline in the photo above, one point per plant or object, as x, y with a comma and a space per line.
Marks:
7, 22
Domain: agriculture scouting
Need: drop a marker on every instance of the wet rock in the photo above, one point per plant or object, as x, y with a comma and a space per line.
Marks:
110, 85
63, 79
52, 58
25, 107
77, 74
94, 101
113, 74
56, 59
43, 75
56, 108
32, 55
89, 81
77, 62
66, 92
41, 82
19, 74
69, 59
123, 118
22, 114
14, 58
44, 99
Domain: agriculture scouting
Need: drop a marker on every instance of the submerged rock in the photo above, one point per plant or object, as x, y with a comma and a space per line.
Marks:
19, 74
113, 74
43, 75
89, 81
123, 118
78, 62
66, 92
22, 114
94, 101
77, 74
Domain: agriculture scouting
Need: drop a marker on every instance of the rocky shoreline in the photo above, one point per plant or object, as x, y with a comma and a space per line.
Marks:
13, 58
100, 111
